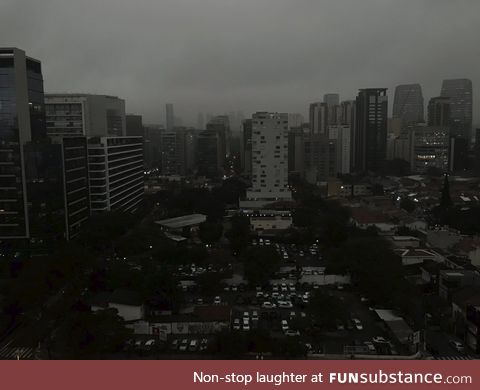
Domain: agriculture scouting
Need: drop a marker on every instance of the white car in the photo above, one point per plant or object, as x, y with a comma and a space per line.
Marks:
217, 300
246, 315
285, 304
254, 315
357, 323
291, 333
268, 305
236, 324
379, 340
285, 325
183, 345
246, 324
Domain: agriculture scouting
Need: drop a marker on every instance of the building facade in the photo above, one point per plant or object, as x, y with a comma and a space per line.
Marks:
85, 115
115, 173
370, 143
460, 93
269, 160
430, 148
408, 104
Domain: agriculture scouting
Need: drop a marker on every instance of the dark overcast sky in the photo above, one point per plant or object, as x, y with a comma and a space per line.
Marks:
223, 55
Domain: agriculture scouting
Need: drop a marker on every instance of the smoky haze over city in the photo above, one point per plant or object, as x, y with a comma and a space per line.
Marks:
268, 179
217, 56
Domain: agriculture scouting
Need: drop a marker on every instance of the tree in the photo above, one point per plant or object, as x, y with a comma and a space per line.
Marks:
374, 267
260, 264
326, 309
161, 290
239, 234
87, 334
210, 232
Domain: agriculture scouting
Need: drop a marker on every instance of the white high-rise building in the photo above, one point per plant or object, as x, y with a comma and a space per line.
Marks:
269, 160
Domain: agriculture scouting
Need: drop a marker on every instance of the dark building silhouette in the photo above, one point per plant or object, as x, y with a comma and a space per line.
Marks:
460, 93
370, 135
439, 111
134, 125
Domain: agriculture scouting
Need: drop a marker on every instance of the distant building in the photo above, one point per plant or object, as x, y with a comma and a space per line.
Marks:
370, 129
220, 124
295, 120
269, 160
439, 111
460, 93
171, 153
430, 148
331, 99
134, 126
169, 117
318, 116
342, 135
85, 115
408, 105
210, 155
116, 173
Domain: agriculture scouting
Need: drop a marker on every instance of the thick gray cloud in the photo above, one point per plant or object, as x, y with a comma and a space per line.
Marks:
228, 55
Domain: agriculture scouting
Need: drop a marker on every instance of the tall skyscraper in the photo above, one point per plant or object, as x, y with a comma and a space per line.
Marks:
439, 111
370, 129
210, 153
269, 160
331, 99
170, 117
318, 116
221, 125
85, 114
460, 93
43, 181
408, 105
21, 83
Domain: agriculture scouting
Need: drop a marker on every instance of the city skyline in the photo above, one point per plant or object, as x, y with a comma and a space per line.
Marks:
250, 73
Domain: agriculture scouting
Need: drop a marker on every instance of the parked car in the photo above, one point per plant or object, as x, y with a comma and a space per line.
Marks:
268, 305
254, 315
203, 344
193, 345
236, 324
358, 324
183, 345
217, 300
370, 346
291, 333
246, 324
174, 345
379, 340
285, 325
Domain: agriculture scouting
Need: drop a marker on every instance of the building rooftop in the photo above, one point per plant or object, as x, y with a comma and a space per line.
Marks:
184, 221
